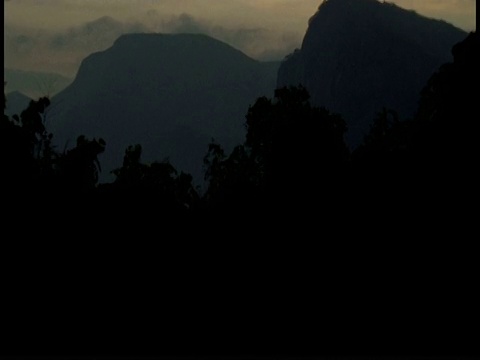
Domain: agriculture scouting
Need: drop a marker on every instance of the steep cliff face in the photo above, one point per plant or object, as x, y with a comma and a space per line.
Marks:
170, 93
361, 55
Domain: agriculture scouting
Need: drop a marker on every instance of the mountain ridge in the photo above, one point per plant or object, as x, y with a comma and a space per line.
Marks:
34, 84
16, 102
171, 93
360, 56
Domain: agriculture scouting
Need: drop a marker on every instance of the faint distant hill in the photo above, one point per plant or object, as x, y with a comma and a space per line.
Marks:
16, 103
34, 84
170, 93
361, 55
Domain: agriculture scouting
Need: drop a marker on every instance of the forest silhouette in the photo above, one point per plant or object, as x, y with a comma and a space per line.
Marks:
408, 180
294, 157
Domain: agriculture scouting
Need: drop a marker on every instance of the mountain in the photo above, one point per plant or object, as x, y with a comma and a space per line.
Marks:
359, 56
61, 51
33, 83
16, 103
170, 93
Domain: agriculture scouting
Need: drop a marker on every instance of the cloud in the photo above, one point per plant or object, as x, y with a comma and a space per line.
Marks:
258, 42
55, 35
275, 15
272, 14
62, 51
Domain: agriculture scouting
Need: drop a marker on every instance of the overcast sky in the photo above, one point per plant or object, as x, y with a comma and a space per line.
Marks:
291, 14
264, 29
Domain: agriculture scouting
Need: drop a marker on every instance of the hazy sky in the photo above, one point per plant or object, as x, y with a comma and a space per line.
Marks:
293, 14
264, 29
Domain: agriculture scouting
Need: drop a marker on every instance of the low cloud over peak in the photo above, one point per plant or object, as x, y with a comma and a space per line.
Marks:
61, 34
63, 50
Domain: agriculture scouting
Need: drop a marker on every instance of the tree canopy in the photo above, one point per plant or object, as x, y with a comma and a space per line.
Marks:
293, 157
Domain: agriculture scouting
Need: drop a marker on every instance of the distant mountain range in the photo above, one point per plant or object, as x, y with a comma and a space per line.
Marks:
359, 56
170, 93
174, 93
33, 83
62, 50
16, 103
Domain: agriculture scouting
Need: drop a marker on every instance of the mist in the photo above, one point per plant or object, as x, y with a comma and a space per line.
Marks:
61, 51
54, 36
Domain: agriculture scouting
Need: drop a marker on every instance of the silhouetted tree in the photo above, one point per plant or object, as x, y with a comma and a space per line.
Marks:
429, 159
383, 148
157, 186
79, 167
131, 173
292, 153
449, 108
34, 171
234, 181
27, 153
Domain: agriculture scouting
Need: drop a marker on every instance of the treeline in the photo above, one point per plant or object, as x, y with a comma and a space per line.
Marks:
126, 277
294, 157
